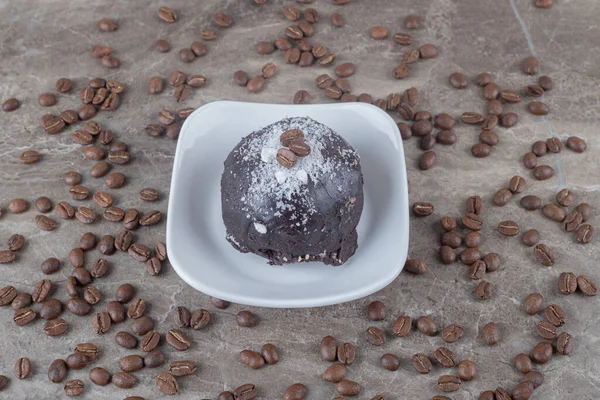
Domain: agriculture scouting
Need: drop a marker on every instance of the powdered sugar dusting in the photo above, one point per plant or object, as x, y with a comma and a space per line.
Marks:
271, 180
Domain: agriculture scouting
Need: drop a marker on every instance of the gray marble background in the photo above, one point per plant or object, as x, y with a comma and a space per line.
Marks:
41, 41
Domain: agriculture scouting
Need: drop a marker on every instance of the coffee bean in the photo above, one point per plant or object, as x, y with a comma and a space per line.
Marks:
124, 380
554, 145
539, 148
508, 228
85, 215
555, 314
535, 377
7, 256
522, 391
509, 120
7, 295
200, 319
10, 105
423, 209
470, 255
328, 348
472, 118
22, 368
71, 288
546, 330
156, 358
186, 112
447, 255
417, 267
543, 172
77, 361
346, 353
483, 290
99, 376
427, 160
538, 108
451, 239
541, 353
150, 218
344, 388
530, 160
523, 363
530, 237
572, 221
137, 308
79, 192
41, 290
74, 387
530, 202
301, 97
451, 333
46, 99
124, 293
449, 383
131, 363
426, 326
576, 144
100, 96
553, 212
492, 262
544, 254
54, 125
565, 197
21, 300
57, 372
502, 197
483, 79
153, 266
252, 359
167, 15
82, 276
178, 340
101, 323
422, 127
533, 90
564, 344
92, 295
106, 245
55, 327
110, 61
131, 219
473, 239
29, 157
445, 357
108, 25
585, 233
448, 223
89, 350
481, 150
477, 270
585, 210
421, 363
490, 334
530, 66
471, 220
375, 336
337, 373
51, 309
123, 240
533, 303
116, 311
23, 316
585, 285
126, 340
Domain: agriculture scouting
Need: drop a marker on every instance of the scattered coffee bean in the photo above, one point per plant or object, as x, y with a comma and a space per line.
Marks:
523, 363
297, 391
116, 311
328, 348
252, 359
533, 303
379, 32
530, 237
564, 344
99, 376
387, 361
490, 334
57, 372
586, 285
543, 172
154, 358
451, 333
555, 314
375, 336
546, 330
445, 357
427, 160
576, 144
131, 363
541, 353
585, 233
124, 380
74, 387
101, 323
508, 228
426, 326
346, 353
530, 202
544, 254
483, 290
126, 340
10, 105
178, 340
167, 15
421, 363
530, 66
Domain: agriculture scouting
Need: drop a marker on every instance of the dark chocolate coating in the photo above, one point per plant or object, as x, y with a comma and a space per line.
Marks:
317, 222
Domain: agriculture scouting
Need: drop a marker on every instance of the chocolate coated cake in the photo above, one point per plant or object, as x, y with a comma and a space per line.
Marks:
293, 192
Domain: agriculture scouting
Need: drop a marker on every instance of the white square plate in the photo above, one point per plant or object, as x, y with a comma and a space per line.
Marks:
196, 242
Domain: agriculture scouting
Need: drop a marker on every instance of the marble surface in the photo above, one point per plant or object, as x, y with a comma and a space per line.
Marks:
41, 41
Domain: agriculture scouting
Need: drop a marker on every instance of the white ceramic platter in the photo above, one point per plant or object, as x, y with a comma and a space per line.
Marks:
196, 242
